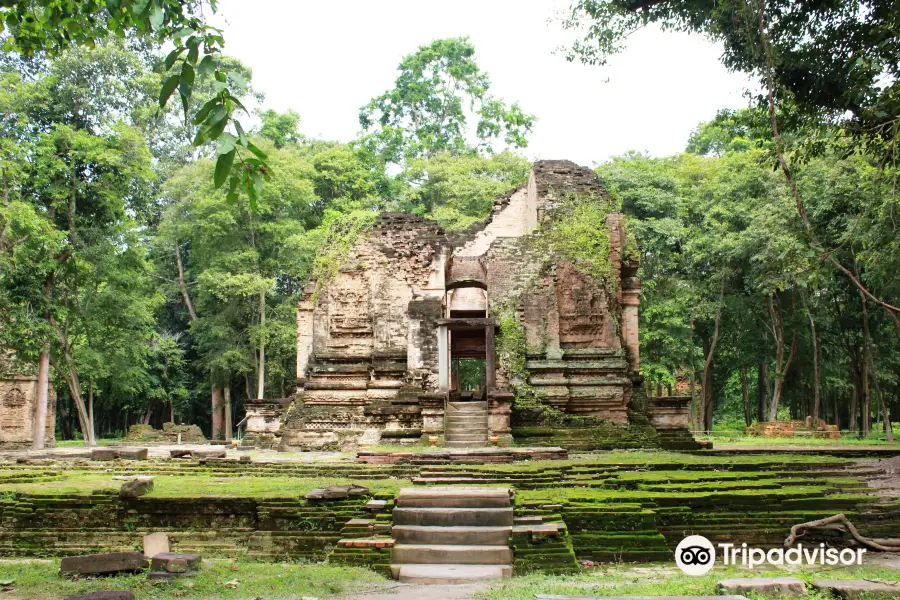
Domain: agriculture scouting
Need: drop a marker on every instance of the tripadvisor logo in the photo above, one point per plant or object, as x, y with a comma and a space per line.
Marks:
696, 555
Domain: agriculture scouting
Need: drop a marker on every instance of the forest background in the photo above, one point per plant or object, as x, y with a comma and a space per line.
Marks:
152, 252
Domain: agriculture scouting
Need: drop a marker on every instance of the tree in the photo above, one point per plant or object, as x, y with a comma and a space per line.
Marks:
76, 177
459, 191
847, 99
238, 271
51, 27
441, 101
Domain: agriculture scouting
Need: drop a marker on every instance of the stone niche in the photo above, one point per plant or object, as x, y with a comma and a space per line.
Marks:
18, 404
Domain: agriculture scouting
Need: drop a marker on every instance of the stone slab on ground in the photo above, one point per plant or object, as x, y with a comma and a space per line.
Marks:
133, 453
174, 562
856, 589
450, 574
155, 543
104, 454
337, 492
209, 453
136, 488
102, 564
107, 595
764, 586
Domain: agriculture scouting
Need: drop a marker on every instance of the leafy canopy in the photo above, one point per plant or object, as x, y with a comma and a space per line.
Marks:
439, 96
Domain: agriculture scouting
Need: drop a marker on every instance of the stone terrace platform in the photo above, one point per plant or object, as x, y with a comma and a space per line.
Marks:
470, 456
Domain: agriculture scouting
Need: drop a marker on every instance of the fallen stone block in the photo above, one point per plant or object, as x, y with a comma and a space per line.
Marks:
173, 562
179, 453
102, 564
107, 595
136, 488
336, 492
209, 453
857, 589
104, 454
156, 543
764, 586
376, 505
317, 494
133, 453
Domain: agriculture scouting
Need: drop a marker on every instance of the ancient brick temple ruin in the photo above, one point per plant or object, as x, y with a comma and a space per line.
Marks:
18, 405
405, 342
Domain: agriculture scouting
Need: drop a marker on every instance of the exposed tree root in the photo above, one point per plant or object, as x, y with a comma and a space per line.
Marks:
842, 523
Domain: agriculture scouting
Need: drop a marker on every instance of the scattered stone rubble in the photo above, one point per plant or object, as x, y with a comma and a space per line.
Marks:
170, 434
337, 492
136, 487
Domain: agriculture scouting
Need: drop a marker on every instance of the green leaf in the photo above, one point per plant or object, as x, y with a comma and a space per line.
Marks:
182, 33
226, 143
112, 5
232, 194
172, 57
201, 137
140, 6
240, 131
156, 15
251, 191
193, 54
167, 88
252, 148
223, 168
186, 83
238, 103
205, 110
238, 80
207, 65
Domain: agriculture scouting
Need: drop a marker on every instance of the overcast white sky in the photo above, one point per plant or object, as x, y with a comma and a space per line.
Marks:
325, 59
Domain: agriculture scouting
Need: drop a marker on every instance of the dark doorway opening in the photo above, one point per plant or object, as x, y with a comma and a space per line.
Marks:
468, 367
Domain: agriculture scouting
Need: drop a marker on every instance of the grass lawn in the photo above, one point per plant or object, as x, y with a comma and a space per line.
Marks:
661, 579
38, 580
186, 486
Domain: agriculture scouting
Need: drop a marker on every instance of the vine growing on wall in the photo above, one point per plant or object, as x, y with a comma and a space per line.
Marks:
578, 231
339, 237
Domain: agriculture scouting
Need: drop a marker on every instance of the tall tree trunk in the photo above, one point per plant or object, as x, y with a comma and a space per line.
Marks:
91, 408
43, 398
227, 419
216, 413
837, 410
745, 389
182, 285
74, 386
762, 390
780, 373
261, 383
817, 395
171, 411
870, 363
706, 399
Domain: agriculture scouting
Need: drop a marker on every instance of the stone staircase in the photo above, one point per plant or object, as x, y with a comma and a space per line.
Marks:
448, 535
466, 424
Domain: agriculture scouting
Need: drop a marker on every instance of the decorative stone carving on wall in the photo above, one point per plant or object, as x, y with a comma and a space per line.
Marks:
584, 311
13, 409
349, 307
